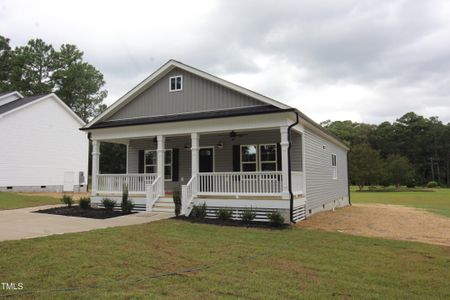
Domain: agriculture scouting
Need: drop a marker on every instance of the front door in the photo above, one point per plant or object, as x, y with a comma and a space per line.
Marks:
206, 159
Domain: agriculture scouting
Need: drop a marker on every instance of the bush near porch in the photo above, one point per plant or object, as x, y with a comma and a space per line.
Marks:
178, 259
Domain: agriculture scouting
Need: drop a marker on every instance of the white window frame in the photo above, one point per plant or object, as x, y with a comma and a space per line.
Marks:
334, 167
149, 165
247, 162
175, 78
156, 166
268, 161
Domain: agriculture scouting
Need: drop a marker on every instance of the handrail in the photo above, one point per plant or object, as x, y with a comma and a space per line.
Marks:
153, 193
188, 193
113, 183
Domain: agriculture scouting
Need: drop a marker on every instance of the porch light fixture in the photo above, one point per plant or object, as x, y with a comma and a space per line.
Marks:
220, 145
186, 147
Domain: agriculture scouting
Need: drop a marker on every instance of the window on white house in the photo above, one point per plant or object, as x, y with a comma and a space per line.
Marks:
268, 157
334, 165
176, 83
248, 158
168, 165
150, 162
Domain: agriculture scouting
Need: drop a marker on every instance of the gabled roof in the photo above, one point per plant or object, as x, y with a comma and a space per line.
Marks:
18, 104
166, 68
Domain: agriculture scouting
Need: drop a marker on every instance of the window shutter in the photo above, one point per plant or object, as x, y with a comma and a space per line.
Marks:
278, 157
141, 161
236, 158
175, 164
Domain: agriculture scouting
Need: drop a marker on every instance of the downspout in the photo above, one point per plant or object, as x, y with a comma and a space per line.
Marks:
291, 194
89, 158
348, 181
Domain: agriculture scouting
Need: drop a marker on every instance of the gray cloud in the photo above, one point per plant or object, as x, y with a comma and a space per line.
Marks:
365, 60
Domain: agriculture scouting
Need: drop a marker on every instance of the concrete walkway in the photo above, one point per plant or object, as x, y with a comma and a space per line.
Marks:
23, 223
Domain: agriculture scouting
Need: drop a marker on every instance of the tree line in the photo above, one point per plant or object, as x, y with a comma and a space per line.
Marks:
38, 68
411, 151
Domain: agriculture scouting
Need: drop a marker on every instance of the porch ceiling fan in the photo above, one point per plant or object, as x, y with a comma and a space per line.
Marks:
233, 135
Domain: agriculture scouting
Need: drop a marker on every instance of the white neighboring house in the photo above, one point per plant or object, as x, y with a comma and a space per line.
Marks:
41, 146
222, 145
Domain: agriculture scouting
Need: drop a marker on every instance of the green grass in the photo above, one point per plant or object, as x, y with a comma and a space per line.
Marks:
13, 200
436, 202
153, 261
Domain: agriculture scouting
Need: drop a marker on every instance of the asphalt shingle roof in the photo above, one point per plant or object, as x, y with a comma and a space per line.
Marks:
17, 103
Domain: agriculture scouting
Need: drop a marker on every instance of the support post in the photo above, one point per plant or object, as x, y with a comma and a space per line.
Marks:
194, 155
95, 166
160, 162
284, 161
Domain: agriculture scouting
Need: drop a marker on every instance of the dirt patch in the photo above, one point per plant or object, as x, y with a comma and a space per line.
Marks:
76, 211
386, 221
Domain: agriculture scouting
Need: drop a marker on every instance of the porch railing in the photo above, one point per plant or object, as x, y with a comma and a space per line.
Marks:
188, 192
297, 182
113, 183
240, 183
154, 191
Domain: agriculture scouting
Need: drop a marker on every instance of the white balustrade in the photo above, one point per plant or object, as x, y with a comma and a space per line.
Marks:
113, 183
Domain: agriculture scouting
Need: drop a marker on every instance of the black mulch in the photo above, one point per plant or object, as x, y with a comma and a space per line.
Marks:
76, 211
233, 223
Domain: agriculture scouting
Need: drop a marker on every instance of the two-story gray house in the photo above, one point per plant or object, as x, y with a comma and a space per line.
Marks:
221, 144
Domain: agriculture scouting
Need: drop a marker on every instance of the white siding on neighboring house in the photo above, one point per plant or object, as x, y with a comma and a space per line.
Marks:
39, 143
321, 188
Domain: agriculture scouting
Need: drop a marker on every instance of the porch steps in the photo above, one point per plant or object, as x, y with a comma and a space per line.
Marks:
164, 204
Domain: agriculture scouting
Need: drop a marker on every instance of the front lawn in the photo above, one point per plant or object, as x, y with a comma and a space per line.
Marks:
436, 202
178, 259
14, 200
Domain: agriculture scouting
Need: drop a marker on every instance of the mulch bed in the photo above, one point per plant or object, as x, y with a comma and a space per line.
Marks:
233, 223
76, 211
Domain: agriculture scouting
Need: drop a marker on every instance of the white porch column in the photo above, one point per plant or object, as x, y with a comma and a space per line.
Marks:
160, 161
95, 166
284, 161
194, 153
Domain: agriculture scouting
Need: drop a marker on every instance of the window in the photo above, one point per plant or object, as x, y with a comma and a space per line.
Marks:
334, 165
268, 157
176, 83
248, 158
150, 163
168, 165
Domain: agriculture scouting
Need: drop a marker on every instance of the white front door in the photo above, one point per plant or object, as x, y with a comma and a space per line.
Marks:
68, 181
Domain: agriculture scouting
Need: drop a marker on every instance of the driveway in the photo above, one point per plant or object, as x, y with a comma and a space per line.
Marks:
23, 223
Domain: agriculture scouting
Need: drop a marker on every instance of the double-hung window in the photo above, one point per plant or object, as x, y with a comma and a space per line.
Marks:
334, 165
150, 163
176, 83
249, 158
268, 157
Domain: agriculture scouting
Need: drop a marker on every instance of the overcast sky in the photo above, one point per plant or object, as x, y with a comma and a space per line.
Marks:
366, 61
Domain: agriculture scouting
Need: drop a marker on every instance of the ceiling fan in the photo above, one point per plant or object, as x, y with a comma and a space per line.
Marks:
233, 135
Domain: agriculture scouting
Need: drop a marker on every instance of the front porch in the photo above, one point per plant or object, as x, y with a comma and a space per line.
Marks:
236, 169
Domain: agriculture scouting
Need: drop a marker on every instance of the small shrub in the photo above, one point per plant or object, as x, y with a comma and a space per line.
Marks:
85, 202
126, 205
224, 213
275, 218
432, 184
108, 203
411, 183
199, 211
66, 199
177, 201
247, 215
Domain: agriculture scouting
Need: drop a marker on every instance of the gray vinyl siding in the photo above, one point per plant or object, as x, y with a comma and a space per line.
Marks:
296, 151
198, 94
223, 157
321, 188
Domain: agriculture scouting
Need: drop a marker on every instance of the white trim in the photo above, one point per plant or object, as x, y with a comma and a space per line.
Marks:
166, 68
12, 93
58, 100
164, 164
170, 83
248, 162
214, 156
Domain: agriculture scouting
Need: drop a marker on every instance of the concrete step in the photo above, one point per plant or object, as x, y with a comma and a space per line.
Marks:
162, 209
164, 205
165, 200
